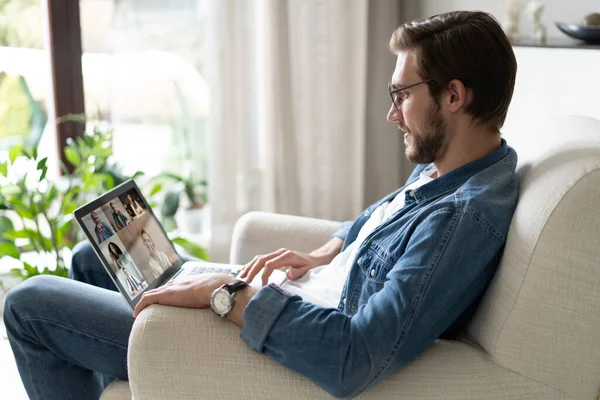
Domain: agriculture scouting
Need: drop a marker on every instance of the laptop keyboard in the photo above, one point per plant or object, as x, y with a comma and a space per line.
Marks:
209, 270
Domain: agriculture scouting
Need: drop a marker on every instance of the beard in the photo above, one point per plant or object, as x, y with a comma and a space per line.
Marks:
430, 144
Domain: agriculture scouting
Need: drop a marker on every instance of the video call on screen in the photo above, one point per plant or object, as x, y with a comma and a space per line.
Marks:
131, 241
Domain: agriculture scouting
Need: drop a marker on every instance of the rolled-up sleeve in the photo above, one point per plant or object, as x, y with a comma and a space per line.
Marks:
343, 231
261, 313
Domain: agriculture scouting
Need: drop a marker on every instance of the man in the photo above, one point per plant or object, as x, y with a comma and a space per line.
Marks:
134, 284
120, 219
102, 230
411, 264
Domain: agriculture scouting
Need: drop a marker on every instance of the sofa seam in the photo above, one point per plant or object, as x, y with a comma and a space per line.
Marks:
535, 380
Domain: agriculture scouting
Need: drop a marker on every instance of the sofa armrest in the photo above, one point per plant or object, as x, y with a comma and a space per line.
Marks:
177, 353
262, 232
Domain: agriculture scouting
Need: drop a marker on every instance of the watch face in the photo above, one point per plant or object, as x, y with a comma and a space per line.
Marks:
221, 302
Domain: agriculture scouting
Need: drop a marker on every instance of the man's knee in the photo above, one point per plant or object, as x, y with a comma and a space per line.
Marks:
27, 296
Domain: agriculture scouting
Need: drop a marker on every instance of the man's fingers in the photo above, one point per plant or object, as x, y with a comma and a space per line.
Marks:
247, 267
260, 263
148, 298
286, 258
152, 296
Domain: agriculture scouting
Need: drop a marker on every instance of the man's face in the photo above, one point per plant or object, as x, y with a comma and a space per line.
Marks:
95, 218
112, 205
419, 117
147, 242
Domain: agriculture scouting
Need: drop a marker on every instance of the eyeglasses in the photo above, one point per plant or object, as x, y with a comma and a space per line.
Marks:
397, 97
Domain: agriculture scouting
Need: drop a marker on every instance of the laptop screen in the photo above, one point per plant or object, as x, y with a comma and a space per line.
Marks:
129, 239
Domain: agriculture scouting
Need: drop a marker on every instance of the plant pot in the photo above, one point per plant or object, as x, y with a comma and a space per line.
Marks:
190, 221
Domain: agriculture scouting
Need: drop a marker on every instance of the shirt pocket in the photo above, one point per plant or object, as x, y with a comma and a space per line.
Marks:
375, 264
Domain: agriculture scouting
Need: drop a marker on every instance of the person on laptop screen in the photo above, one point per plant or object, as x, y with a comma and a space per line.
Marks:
134, 284
408, 270
159, 261
135, 205
102, 230
120, 219
117, 256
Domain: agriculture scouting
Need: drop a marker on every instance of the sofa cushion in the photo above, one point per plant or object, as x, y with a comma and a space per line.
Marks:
541, 314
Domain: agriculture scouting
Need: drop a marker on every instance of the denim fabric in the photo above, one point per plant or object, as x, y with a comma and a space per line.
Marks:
342, 232
69, 338
412, 278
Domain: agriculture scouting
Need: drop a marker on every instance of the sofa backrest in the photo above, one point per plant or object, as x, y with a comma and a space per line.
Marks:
540, 317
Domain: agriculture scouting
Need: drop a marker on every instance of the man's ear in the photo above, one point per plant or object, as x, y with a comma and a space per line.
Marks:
457, 95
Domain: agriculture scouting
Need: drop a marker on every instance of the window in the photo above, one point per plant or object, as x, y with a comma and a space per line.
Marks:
25, 80
142, 70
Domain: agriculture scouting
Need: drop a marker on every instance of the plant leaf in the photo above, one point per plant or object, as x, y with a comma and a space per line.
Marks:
4, 169
9, 249
155, 189
15, 152
72, 156
52, 194
41, 166
30, 270
170, 175
137, 174
170, 204
6, 225
20, 234
18, 273
9, 191
192, 248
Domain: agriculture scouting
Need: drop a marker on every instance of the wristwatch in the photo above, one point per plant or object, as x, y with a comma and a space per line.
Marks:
221, 299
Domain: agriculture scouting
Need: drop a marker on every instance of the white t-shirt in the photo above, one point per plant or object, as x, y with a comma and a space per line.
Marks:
323, 285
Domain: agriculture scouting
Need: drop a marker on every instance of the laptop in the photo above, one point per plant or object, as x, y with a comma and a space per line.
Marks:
134, 247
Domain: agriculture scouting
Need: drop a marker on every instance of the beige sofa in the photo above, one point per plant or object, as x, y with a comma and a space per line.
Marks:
536, 334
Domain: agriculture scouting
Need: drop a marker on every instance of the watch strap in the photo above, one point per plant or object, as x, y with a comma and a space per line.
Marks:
235, 286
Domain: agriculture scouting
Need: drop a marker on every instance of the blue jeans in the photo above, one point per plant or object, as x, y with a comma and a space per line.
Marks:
69, 336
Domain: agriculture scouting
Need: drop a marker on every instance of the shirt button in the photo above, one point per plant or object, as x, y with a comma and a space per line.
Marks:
411, 193
367, 213
373, 272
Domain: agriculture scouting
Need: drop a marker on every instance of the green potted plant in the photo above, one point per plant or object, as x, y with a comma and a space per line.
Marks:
36, 213
184, 201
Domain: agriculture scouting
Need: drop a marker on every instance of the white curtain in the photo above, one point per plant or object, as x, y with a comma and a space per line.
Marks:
290, 83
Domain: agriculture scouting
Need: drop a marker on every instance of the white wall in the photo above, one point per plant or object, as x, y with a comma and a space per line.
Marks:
555, 11
554, 82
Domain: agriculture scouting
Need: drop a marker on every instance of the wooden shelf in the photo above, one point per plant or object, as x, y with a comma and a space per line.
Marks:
557, 43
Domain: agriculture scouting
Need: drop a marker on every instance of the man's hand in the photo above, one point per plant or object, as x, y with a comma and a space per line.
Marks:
190, 293
297, 264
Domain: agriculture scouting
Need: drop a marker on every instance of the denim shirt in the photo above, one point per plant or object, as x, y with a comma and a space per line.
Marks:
412, 278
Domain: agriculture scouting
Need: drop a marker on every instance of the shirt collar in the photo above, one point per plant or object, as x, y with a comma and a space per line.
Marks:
455, 178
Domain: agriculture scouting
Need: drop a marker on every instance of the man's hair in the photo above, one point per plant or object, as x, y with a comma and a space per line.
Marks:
469, 46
